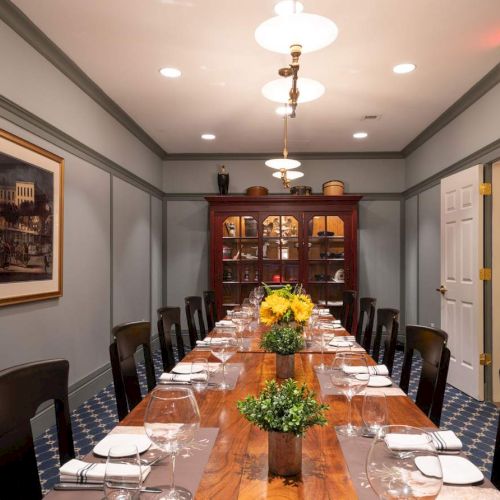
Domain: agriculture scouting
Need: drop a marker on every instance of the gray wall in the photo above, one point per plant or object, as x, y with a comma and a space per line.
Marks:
359, 176
112, 229
475, 128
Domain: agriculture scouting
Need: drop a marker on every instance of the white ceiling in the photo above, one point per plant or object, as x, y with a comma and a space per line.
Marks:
121, 45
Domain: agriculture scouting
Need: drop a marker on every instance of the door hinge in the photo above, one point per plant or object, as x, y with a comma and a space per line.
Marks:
485, 274
485, 359
485, 188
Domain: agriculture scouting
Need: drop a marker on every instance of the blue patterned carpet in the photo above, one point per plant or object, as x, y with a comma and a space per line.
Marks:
474, 422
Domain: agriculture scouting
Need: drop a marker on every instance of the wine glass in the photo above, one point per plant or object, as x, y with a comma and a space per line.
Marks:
171, 421
259, 292
349, 374
223, 345
374, 412
122, 476
320, 328
403, 463
242, 319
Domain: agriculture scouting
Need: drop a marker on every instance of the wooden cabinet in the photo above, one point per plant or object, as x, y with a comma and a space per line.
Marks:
283, 239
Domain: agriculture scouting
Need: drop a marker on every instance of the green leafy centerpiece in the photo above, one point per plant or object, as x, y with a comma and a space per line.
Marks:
286, 310
285, 411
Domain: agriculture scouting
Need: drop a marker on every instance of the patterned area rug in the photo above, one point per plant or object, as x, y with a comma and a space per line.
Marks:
473, 421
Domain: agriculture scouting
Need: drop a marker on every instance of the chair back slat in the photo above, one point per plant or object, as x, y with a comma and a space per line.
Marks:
388, 320
210, 309
169, 317
194, 309
348, 306
23, 389
430, 343
366, 312
128, 338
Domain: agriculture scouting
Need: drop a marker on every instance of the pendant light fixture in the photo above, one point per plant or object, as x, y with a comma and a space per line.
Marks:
285, 164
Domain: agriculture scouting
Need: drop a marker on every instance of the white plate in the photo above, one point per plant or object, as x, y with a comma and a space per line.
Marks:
456, 469
102, 447
185, 369
379, 381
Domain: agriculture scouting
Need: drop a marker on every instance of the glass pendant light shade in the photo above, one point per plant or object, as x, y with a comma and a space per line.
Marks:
279, 90
311, 31
285, 163
292, 175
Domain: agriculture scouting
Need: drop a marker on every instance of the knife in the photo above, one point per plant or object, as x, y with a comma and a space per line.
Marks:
98, 487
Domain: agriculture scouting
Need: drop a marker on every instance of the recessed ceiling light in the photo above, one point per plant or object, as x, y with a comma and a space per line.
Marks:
284, 110
279, 90
360, 135
400, 69
208, 137
170, 72
286, 7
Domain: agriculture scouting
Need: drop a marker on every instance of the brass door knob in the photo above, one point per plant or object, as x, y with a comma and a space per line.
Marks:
442, 289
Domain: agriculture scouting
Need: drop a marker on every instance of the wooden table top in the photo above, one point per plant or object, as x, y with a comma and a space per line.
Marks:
238, 464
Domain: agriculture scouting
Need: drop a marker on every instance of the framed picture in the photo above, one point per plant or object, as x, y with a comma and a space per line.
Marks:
31, 221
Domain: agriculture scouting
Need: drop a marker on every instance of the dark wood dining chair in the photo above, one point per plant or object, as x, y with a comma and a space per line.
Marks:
495, 469
348, 306
169, 317
388, 320
210, 309
128, 338
23, 389
194, 309
365, 322
430, 343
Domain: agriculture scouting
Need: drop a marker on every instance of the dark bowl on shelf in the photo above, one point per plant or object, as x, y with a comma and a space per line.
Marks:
326, 233
339, 255
326, 255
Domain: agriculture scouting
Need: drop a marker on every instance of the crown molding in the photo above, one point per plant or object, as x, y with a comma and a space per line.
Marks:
11, 15
490, 80
347, 155
32, 123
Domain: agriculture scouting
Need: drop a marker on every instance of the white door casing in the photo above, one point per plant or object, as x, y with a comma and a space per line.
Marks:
462, 315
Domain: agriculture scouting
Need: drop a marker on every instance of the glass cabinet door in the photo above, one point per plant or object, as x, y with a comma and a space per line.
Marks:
280, 249
325, 264
240, 258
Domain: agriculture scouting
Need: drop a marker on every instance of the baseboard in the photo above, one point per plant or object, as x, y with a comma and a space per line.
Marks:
79, 392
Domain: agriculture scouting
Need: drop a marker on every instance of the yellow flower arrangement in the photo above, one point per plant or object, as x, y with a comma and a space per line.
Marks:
286, 305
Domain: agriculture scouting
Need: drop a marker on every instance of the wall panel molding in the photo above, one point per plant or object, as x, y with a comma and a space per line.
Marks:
32, 123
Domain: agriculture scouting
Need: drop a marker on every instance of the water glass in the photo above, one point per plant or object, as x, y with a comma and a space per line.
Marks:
200, 373
374, 412
122, 476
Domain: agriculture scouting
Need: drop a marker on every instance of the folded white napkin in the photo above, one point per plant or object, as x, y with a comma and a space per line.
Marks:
211, 340
323, 312
406, 442
175, 377
446, 441
326, 326
78, 471
372, 370
227, 323
340, 343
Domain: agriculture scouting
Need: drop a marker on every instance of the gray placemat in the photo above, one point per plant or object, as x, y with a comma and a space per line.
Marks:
189, 467
355, 451
233, 371
327, 388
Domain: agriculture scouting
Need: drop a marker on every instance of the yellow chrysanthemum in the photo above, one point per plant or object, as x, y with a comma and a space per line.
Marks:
302, 308
273, 309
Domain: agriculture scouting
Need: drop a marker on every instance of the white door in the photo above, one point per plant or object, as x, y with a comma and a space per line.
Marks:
461, 288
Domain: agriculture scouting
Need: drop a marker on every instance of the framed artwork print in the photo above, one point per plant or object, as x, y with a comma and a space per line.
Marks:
31, 221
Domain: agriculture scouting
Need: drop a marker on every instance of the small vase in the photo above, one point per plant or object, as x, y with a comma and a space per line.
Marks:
285, 453
285, 365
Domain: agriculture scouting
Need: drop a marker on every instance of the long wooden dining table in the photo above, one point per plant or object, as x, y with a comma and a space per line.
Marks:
237, 467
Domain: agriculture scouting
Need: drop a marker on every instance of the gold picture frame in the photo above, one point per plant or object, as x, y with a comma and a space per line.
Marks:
31, 221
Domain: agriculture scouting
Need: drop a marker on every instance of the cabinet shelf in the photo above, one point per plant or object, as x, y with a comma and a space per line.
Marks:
315, 261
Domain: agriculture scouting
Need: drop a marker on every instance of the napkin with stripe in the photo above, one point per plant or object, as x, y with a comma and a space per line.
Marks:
225, 323
211, 340
175, 377
80, 472
372, 370
442, 440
